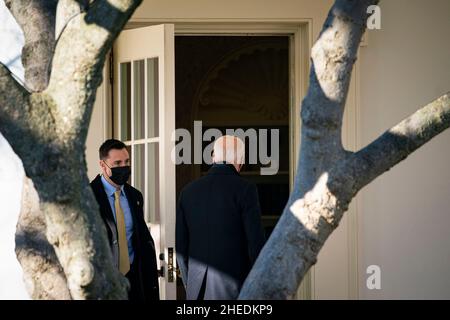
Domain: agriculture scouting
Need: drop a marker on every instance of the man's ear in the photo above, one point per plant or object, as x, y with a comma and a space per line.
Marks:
102, 166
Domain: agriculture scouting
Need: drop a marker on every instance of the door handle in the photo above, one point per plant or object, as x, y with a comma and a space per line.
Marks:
161, 272
170, 269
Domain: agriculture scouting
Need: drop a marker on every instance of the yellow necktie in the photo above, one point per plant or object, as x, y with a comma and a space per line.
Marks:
124, 259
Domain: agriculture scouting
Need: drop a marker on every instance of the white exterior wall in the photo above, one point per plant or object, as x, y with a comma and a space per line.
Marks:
405, 214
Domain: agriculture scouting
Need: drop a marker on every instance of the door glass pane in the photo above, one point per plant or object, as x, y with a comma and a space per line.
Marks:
125, 101
152, 216
152, 97
139, 167
139, 99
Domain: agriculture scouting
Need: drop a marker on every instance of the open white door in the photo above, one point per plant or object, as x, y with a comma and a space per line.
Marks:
144, 115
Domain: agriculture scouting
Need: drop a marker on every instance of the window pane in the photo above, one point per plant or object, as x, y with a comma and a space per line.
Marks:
125, 101
152, 216
139, 99
152, 97
139, 167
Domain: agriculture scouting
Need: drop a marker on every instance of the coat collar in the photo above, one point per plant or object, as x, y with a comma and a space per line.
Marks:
110, 189
102, 198
223, 168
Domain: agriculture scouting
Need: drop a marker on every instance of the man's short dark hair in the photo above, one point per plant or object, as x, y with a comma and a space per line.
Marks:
109, 145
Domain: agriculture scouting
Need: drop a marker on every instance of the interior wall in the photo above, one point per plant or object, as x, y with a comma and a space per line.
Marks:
405, 213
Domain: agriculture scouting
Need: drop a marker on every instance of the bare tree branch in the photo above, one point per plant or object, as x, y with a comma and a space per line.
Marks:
14, 104
37, 20
79, 70
66, 11
26, 121
400, 141
333, 56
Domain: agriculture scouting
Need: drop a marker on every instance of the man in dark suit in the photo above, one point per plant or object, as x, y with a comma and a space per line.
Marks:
121, 208
218, 228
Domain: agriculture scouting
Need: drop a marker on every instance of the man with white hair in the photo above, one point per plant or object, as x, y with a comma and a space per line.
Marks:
218, 229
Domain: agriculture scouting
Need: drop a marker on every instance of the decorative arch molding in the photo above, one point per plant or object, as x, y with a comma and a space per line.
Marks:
252, 81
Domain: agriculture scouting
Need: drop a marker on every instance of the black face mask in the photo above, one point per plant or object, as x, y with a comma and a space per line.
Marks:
120, 175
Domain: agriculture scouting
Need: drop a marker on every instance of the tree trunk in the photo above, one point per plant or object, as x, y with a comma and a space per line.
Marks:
43, 275
37, 20
61, 240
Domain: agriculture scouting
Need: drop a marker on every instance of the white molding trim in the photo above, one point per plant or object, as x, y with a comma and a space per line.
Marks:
353, 144
354, 245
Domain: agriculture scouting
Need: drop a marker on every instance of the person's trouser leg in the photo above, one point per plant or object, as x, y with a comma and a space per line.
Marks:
201, 294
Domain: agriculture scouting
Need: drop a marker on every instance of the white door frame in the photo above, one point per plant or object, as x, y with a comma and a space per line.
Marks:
162, 228
300, 32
